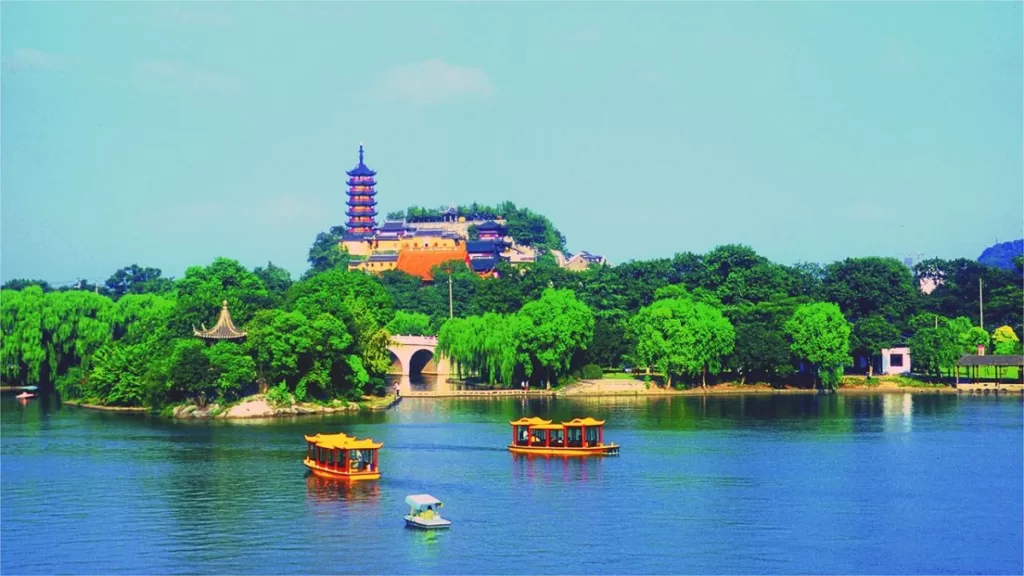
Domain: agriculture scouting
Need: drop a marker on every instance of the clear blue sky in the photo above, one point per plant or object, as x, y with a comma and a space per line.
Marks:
167, 134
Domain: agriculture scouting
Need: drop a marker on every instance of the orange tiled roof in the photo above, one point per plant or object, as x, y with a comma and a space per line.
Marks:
420, 262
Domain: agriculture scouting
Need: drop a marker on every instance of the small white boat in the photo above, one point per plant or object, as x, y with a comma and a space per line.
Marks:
424, 513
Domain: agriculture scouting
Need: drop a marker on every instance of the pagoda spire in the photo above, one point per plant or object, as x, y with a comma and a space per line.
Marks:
224, 329
362, 211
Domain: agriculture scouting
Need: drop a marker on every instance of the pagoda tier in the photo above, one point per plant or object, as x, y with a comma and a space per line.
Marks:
361, 201
361, 215
224, 329
367, 181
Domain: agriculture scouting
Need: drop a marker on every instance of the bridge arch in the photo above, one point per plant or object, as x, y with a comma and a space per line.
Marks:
417, 354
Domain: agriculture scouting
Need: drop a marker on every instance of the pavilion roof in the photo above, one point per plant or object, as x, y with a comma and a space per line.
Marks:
997, 360
342, 441
534, 421
588, 421
224, 329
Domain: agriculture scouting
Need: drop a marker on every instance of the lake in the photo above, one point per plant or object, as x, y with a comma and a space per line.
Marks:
863, 484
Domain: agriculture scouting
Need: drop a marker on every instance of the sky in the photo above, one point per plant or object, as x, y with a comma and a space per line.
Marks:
167, 134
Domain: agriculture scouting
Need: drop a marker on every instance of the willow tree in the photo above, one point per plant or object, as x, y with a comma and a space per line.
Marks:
45, 335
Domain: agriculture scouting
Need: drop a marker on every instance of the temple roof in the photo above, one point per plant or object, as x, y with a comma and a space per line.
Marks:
223, 330
394, 225
361, 169
482, 246
483, 264
383, 257
489, 225
421, 262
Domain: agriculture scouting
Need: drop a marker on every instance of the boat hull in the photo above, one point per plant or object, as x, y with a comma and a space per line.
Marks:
432, 524
607, 450
336, 475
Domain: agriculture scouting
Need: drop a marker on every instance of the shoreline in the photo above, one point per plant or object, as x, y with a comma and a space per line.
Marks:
250, 408
633, 388
87, 406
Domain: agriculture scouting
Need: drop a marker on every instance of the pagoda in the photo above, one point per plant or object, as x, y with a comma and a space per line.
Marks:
362, 209
224, 329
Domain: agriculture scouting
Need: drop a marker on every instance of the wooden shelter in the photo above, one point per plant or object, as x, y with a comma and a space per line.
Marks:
224, 329
973, 363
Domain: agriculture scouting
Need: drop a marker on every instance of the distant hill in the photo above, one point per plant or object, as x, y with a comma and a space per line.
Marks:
1001, 255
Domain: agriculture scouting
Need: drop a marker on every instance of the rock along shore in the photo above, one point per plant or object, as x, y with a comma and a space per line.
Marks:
251, 407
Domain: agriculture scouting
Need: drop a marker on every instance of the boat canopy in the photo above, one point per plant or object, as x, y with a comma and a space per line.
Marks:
420, 500
342, 441
524, 421
547, 427
588, 421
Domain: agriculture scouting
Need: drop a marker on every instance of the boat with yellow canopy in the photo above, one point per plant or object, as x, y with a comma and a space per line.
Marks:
342, 457
577, 437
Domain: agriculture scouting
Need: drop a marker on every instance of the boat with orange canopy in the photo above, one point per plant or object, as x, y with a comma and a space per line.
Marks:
577, 437
342, 457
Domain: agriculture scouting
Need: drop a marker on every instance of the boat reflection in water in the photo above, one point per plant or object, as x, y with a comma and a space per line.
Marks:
548, 468
327, 490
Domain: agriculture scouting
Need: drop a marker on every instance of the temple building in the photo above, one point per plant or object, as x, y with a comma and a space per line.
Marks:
224, 329
362, 204
417, 247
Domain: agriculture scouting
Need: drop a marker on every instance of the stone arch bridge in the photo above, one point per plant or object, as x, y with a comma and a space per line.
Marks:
416, 355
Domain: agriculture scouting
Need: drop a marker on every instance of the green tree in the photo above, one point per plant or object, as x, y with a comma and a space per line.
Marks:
820, 335
761, 345
203, 288
277, 281
935, 348
872, 334
681, 336
556, 327
45, 335
1005, 341
327, 252
136, 279
232, 367
864, 287
22, 283
410, 324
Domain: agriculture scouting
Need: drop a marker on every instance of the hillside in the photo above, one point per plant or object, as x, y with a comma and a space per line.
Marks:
1001, 255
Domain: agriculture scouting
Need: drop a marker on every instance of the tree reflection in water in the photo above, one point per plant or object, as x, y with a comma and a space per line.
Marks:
327, 490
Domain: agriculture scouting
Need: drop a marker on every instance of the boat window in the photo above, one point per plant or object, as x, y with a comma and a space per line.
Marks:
330, 458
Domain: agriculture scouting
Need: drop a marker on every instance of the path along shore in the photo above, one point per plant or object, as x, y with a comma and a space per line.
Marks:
630, 387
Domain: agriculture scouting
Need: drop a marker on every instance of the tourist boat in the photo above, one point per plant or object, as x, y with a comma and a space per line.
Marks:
424, 513
577, 437
25, 396
342, 457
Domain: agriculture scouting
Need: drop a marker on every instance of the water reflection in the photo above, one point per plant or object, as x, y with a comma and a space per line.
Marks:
549, 467
326, 490
898, 412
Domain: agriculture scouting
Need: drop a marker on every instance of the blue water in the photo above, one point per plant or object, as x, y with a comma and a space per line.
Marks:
881, 484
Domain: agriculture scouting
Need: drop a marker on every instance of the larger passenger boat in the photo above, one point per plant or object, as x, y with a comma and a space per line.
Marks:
342, 457
577, 437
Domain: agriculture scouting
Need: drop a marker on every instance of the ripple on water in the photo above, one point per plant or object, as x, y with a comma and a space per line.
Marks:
781, 485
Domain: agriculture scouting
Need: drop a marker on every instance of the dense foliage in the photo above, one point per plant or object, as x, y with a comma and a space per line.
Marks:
526, 226
691, 318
